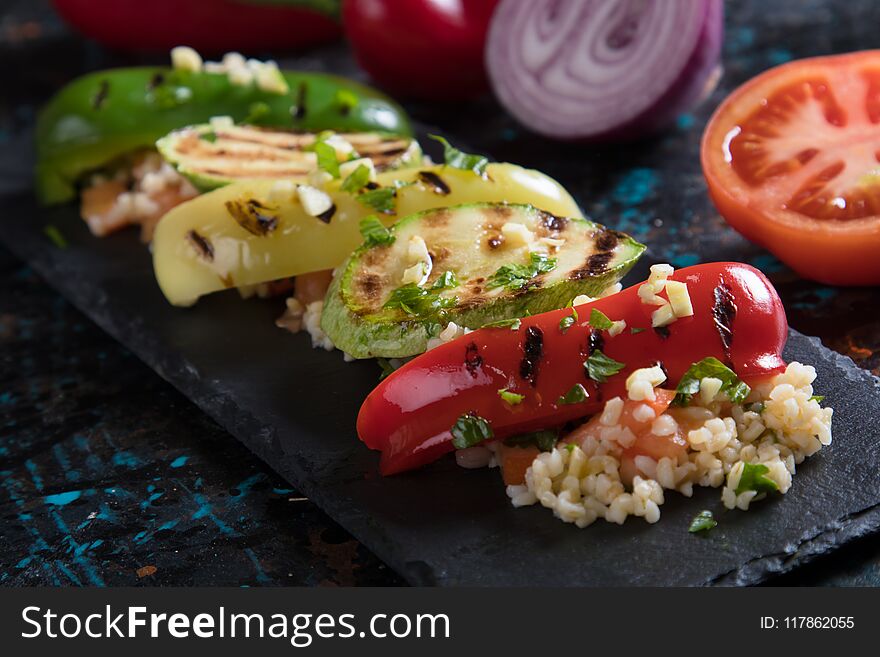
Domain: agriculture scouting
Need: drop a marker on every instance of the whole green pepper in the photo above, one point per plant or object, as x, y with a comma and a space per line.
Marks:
102, 116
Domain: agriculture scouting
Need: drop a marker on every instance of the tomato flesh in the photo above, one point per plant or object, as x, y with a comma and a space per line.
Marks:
792, 160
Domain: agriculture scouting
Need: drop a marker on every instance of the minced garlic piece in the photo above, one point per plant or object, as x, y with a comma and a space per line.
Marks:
516, 234
617, 327
269, 78
420, 262
319, 177
348, 168
641, 383
709, 388
679, 298
184, 58
663, 316
341, 145
240, 77
282, 190
314, 201
551, 244
649, 292
221, 122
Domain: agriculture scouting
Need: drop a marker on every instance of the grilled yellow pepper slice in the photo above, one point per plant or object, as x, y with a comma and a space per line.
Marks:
258, 231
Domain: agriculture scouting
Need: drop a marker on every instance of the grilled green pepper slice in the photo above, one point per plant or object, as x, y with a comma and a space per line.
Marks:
101, 116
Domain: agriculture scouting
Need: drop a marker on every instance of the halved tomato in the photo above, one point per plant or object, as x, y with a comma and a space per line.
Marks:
792, 159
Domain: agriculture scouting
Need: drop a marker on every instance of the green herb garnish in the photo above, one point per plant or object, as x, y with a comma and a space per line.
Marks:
576, 395
817, 398
599, 320
356, 180
55, 236
600, 367
515, 277
544, 440
387, 367
457, 159
635, 330
753, 479
568, 321
380, 199
702, 522
375, 233
735, 389
512, 324
570, 447
327, 159
512, 398
209, 136
418, 301
470, 430
446, 281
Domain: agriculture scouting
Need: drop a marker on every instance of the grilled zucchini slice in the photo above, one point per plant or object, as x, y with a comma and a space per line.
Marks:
213, 155
469, 264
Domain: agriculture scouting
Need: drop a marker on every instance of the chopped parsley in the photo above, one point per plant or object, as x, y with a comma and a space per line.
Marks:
512, 398
600, 367
817, 398
576, 395
735, 389
544, 440
55, 236
446, 281
702, 522
470, 430
375, 233
570, 447
568, 321
356, 180
753, 479
380, 199
457, 159
635, 330
210, 136
418, 301
327, 159
515, 277
599, 320
512, 324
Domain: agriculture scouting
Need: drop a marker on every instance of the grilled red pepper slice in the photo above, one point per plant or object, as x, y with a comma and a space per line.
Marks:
738, 318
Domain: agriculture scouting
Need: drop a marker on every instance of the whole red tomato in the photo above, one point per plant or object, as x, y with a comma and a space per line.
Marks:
427, 49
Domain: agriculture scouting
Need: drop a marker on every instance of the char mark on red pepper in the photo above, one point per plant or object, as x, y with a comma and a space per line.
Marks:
662, 331
533, 349
595, 342
100, 96
723, 313
472, 359
202, 245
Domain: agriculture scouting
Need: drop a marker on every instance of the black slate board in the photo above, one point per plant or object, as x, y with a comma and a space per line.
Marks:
295, 407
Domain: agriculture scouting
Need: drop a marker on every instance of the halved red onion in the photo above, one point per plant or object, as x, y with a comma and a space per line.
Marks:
589, 69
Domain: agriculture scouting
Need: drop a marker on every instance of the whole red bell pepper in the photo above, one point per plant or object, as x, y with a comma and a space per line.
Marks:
424, 49
210, 26
738, 319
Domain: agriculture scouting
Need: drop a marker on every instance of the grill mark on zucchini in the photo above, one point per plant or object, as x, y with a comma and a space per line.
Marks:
201, 244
